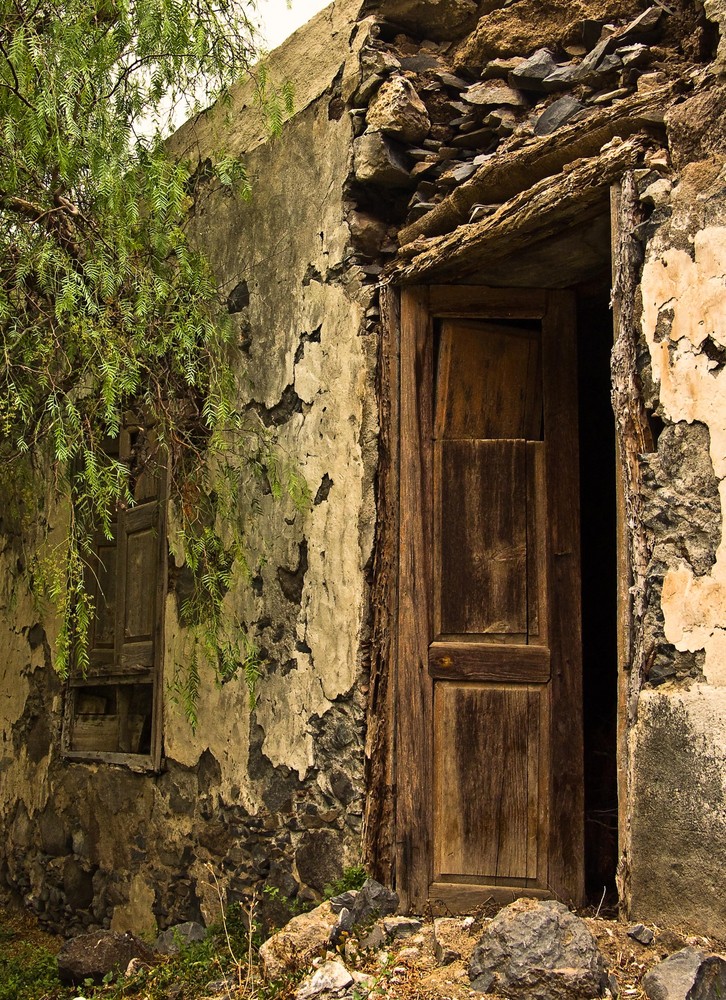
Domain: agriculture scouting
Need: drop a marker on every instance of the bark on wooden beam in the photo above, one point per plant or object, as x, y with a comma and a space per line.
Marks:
502, 177
634, 439
541, 211
378, 831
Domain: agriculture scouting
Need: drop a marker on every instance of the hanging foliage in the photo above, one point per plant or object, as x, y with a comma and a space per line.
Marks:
105, 306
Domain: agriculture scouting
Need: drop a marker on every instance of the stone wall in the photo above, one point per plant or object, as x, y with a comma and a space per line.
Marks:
679, 741
416, 121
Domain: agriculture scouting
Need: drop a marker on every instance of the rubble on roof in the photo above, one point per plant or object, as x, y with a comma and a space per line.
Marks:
447, 134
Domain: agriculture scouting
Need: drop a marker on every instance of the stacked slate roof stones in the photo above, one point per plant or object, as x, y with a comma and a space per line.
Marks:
425, 125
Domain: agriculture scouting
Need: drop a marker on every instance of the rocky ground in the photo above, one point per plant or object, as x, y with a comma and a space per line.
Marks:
407, 959
353, 951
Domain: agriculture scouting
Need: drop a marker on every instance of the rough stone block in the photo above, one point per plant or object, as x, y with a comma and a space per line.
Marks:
298, 942
538, 950
377, 161
93, 955
397, 110
673, 978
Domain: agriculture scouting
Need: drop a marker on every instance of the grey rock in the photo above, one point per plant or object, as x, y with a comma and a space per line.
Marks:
369, 85
398, 928
710, 981
397, 110
531, 74
377, 161
344, 925
343, 901
227, 985
451, 81
374, 939
501, 67
538, 950
633, 55
173, 939
640, 933
93, 955
673, 978
591, 32
422, 62
374, 900
331, 977
658, 193
557, 115
378, 62
645, 27
319, 855
475, 140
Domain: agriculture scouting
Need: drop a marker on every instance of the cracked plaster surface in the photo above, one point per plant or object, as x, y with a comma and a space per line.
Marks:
686, 296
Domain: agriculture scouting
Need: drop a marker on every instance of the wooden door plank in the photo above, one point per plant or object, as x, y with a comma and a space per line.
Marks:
566, 849
455, 897
487, 303
483, 748
414, 688
536, 544
494, 662
488, 383
536, 845
481, 496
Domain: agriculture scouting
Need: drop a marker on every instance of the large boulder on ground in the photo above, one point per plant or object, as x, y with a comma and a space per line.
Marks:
538, 950
710, 979
95, 954
687, 975
298, 943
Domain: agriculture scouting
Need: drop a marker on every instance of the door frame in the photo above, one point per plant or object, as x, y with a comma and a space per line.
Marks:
420, 307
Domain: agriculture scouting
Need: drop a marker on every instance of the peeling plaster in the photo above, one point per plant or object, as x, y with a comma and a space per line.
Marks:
684, 302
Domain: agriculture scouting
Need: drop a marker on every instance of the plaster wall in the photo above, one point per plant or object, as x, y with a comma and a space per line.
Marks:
679, 739
270, 795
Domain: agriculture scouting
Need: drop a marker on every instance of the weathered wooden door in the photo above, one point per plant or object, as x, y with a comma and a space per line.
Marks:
489, 751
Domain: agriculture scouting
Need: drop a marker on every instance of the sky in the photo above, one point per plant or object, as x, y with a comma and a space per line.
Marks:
280, 18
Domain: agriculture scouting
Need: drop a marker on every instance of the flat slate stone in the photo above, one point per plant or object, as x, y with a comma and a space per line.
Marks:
557, 115
531, 74
494, 94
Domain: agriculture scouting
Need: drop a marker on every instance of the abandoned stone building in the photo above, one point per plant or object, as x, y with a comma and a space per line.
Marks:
480, 292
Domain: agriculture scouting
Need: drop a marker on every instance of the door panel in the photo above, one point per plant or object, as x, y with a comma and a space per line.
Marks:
487, 817
481, 575
490, 737
503, 358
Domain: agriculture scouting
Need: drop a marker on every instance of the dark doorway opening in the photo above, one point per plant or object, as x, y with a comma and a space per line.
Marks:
599, 592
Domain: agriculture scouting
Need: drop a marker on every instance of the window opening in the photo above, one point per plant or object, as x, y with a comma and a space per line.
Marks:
113, 709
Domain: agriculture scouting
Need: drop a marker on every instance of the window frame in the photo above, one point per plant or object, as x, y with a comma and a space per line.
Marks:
117, 676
